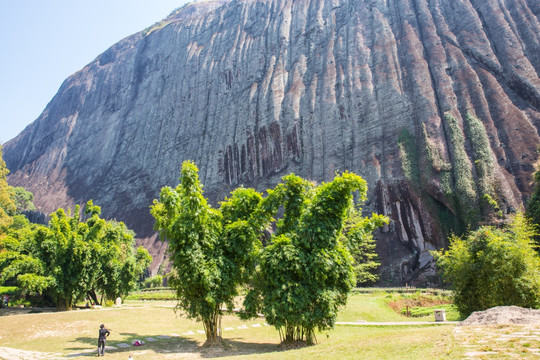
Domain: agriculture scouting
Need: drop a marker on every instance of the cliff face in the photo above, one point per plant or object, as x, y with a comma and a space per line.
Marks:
435, 103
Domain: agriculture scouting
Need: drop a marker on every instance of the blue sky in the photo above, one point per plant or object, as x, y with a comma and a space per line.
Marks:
44, 42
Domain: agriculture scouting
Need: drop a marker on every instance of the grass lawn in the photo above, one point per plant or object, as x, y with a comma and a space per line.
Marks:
374, 307
76, 331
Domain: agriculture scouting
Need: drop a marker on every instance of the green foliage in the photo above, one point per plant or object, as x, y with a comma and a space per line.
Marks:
23, 199
483, 160
408, 153
359, 240
306, 272
533, 206
434, 155
493, 267
212, 250
465, 199
8, 290
71, 258
483, 164
153, 281
299, 281
7, 204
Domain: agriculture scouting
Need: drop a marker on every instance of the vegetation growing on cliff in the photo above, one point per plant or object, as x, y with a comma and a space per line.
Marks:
437, 164
465, 198
408, 153
467, 183
533, 207
483, 164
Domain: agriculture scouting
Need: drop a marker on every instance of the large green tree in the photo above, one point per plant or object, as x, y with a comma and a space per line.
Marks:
306, 272
212, 250
73, 257
493, 267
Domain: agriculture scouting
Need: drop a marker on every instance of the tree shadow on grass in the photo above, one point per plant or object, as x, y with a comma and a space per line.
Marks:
172, 345
237, 347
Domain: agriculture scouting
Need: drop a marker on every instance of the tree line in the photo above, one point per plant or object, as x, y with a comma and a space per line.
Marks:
77, 256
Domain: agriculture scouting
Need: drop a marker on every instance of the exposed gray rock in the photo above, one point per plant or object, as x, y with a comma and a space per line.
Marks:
252, 90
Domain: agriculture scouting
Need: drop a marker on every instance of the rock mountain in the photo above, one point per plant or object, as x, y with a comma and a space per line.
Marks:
436, 103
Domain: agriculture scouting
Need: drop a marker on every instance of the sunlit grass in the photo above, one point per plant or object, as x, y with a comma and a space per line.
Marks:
76, 331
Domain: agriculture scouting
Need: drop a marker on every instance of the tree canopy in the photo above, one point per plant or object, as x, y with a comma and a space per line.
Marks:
306, 272
72, 258
7, 203
493, 267
212, 250
299, 280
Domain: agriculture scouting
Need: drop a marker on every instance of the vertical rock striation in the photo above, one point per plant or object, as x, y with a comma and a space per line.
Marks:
436, 103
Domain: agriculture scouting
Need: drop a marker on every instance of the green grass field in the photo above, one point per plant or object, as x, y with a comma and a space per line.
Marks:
74, 335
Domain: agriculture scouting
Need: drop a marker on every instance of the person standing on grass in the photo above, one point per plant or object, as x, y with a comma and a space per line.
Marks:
103, 333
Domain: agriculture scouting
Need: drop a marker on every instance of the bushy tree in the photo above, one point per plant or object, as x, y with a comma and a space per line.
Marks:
212, 250
7, 203
306, 272
71, 257
492, 267
153, 281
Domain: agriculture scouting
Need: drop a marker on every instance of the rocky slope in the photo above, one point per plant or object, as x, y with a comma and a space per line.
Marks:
435, 103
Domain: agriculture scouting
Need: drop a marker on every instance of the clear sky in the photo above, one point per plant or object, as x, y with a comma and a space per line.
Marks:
44, 42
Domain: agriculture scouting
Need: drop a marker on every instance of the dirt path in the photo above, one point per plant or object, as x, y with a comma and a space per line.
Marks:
16, 354
394, 323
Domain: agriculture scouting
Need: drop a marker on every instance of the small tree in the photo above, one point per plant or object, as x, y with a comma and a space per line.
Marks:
212, 250
493, 267
153, 281
533, 207
358, 237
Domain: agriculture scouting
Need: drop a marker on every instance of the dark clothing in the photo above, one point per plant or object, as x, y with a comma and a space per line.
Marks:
101, 347
103, 333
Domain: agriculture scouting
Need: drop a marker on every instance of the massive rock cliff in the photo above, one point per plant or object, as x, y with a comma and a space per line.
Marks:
436, 103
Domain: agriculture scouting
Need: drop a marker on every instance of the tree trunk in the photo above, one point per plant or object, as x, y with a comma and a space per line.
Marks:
310, 337
63, 304
212, 328
93, 296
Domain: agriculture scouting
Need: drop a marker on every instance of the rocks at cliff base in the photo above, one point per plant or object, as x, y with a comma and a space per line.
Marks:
504, 315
